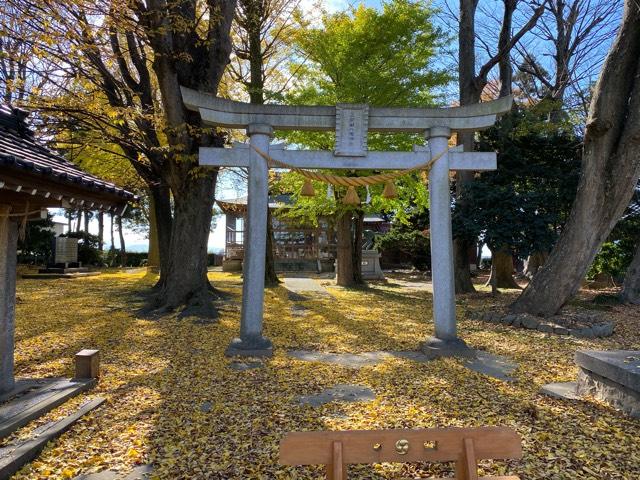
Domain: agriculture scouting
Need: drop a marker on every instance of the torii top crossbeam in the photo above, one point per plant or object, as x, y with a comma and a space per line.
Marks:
231, 114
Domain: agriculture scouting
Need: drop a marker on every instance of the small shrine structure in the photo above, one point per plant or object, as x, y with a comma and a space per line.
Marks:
299, 246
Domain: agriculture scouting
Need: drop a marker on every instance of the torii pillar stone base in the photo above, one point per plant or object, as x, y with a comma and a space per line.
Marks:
446, 342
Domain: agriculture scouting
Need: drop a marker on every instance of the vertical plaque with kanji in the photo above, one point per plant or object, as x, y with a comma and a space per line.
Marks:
352, 123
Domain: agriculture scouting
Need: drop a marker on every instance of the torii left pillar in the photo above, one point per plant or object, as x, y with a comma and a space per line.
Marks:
8, 254
251, 342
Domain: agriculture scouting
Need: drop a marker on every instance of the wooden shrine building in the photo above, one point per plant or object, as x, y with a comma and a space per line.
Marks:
297, 246
33, 178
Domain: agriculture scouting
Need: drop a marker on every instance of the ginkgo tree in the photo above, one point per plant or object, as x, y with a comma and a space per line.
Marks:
135, 56
380, 57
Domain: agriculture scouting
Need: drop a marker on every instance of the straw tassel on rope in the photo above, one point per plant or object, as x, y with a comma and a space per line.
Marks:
389, 190
351, 198
307, 189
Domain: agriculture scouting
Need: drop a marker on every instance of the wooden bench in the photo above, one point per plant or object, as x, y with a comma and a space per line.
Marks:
465, 446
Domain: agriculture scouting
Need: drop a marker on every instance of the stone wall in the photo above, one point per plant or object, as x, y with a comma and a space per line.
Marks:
606, 390
586, 326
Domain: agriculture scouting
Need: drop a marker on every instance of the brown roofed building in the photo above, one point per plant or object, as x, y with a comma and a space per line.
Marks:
32, 178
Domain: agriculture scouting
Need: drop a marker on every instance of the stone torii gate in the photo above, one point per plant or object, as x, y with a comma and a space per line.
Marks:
351, 124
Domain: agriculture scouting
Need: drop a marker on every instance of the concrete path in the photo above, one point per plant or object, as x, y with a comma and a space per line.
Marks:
492, 365
303, 284
562, 390
486, 363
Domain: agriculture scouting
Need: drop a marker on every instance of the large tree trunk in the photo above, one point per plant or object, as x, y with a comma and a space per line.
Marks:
113, 241
100, 231
344, 255
181, 58
631, 285
501, 270
270, 275
611, 165
461, 270
160, 203
185, 282
356, 246
123, 247
470, 90
534, 262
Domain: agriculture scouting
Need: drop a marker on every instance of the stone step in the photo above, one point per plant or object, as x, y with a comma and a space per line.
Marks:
22, 409
50, 276
14, 456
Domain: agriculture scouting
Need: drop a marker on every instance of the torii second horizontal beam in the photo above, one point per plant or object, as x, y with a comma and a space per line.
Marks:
239, 157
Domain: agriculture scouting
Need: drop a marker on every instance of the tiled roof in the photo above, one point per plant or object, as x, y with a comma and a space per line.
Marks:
240, 204
20, 151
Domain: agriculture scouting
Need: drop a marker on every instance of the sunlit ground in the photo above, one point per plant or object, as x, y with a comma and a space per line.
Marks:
156, 374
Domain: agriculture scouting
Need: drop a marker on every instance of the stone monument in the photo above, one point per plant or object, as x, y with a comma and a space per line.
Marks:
351, 124
66, 250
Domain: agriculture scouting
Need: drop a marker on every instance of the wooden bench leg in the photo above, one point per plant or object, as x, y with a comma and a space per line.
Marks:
337, 470
467, 465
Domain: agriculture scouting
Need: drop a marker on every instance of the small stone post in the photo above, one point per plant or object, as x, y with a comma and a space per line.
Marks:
251, 342
445, 342
8, 254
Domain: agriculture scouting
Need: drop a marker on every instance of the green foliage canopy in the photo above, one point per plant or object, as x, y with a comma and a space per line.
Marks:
364, 55
524, 203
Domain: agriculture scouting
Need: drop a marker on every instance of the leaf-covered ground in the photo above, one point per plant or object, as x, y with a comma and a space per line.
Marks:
156, 374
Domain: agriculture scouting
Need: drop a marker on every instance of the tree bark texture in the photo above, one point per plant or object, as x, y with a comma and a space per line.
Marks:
100, 230
356, 246
502, 270
181, 58
270, 276
631, 285
470, 90
611, 165
534, 262
344, 254
160, 203
123, 247
185, 284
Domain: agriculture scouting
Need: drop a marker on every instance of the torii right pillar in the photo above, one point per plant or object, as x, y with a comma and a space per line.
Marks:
446, 341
